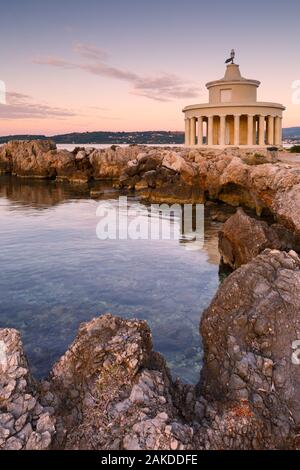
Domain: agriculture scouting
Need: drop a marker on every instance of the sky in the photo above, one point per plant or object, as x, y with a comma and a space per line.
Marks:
129, 65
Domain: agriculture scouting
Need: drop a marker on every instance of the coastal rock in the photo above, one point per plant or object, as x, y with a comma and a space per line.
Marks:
236, 176
110, 163
250, 365
163, 175
177, 163
241, 238
26, 158
111, 391
41, 159
19, 420
71, 168
111, 381
273, 188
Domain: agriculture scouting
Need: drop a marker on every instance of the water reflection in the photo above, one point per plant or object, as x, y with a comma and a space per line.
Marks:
57, 274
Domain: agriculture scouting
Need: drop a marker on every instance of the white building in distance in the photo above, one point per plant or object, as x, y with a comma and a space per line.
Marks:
233, 116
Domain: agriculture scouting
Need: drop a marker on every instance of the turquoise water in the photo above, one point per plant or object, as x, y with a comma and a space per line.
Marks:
56, 273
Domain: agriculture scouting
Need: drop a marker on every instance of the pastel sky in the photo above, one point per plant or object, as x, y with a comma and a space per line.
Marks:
74, 65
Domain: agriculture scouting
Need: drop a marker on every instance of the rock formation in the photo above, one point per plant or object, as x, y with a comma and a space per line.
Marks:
248, 334
242, 237
111, 391
24, 422
109, 380
235, 176
41, 159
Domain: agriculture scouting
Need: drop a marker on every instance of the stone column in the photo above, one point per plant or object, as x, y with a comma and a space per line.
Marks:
187, 132
193, 131
250, 139
278, 130
270, 132
210, 134
222, 129
200, 130
236, 140
261, 134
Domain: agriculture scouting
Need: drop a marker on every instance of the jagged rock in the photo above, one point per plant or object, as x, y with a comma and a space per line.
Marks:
81, 155
241, 238
26, 158
235, 176
18, 397
248, 333
70, 168
111, 391
13, 443
38, 441
177, 163
288, 239
110, 163
162, 175
41, 159
111, 380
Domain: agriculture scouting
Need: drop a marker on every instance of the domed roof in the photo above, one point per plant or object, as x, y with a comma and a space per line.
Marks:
233, 75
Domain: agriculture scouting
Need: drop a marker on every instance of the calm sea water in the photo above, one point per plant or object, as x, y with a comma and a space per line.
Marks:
55, 274
71, 147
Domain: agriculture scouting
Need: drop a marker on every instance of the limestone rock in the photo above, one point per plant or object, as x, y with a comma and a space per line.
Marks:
109, 163
248, 333
18, 397
26, 158
241, 238
112, 381
236, 176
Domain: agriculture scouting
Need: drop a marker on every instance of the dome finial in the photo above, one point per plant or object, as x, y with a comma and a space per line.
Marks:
232, 56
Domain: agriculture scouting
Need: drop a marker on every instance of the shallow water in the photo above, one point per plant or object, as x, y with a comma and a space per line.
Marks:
55, 274
71, 147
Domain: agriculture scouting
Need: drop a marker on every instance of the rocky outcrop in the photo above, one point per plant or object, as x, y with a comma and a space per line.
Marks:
112, 381
163, 175
242, 238
28, 158
110, 163
249, 372
24, 422
41, 159
235, 176
111, 391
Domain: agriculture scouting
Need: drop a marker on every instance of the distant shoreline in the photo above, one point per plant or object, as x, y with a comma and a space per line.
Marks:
106, 138
290, 135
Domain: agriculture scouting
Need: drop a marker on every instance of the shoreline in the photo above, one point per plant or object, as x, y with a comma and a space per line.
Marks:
247, 330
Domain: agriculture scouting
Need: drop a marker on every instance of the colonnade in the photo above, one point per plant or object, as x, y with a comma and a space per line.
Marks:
237, 129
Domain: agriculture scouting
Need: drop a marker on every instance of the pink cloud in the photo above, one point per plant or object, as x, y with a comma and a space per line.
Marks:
163, 87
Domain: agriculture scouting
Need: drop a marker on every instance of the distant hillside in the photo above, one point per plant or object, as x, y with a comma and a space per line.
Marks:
7, 138
291, 132
147, 137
